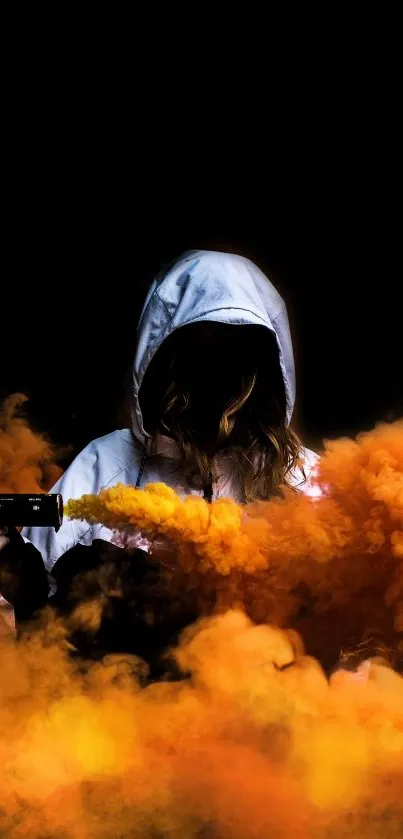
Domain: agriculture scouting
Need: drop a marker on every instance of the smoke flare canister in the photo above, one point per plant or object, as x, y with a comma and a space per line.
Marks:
31, 510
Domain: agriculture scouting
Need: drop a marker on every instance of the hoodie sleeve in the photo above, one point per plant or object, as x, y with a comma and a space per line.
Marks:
104, 462
80, 477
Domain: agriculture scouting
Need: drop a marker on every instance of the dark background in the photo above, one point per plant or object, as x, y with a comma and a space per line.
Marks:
118, 161
323, 224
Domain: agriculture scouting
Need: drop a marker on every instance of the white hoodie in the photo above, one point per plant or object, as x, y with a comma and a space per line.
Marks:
200, 286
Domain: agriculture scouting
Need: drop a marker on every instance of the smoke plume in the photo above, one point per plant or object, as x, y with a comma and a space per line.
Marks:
27, 458
332, 567
290, 722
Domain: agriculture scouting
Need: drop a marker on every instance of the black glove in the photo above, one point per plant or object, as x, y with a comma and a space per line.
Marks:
23, 577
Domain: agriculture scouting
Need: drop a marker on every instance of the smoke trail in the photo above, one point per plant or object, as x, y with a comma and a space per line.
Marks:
331, 568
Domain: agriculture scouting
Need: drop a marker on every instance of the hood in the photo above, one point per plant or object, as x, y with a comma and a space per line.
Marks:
210, 286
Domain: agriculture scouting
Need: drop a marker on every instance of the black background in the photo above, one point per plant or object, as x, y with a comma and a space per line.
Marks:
75, 287
83, 237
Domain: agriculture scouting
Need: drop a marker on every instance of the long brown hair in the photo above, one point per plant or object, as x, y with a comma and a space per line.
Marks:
251, 434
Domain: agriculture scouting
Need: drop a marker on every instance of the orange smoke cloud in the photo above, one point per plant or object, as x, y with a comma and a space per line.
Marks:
269, 735
27, 458
361, 511
257, 743
332, 566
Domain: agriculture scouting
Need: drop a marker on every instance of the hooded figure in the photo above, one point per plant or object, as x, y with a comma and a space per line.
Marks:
208, 324
201, 287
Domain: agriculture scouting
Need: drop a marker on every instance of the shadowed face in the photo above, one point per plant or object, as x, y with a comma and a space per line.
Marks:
212, 359
210, 364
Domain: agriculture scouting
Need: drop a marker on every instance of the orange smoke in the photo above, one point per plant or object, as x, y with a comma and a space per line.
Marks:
257, 743
361, 510
26, 457
263, 739
331, 567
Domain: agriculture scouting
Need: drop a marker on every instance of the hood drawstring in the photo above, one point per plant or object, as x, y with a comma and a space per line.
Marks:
208, 492
142, 466
208, 489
